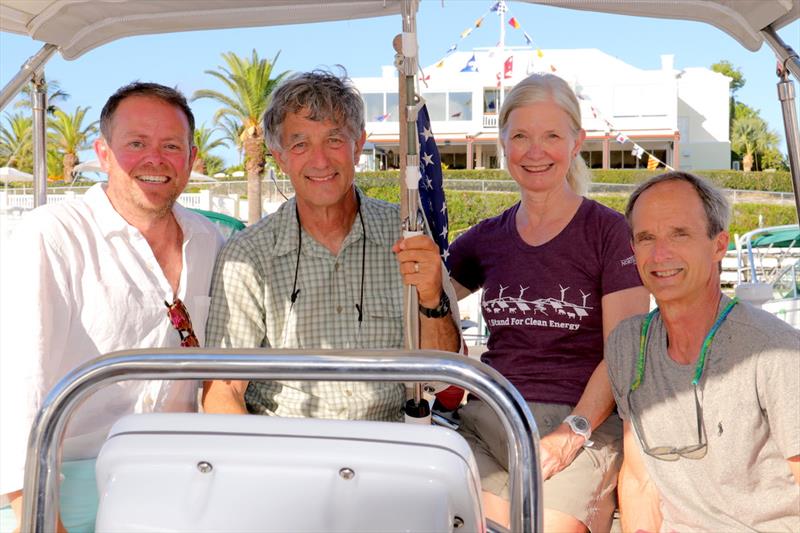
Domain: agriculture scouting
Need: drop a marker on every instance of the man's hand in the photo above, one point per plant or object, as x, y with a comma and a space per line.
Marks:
558, 449
421, 266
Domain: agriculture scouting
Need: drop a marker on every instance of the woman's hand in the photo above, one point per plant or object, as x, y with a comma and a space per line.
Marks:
558, 449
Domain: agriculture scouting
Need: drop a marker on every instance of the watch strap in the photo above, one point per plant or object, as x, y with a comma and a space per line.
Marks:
580, 426
441, 310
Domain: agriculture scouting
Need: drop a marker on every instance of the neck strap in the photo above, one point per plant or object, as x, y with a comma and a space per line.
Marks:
701, 360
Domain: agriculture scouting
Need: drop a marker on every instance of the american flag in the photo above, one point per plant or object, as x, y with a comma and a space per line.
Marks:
431, 186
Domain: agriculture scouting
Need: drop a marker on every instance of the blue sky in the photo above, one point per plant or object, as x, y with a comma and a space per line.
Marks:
363, 46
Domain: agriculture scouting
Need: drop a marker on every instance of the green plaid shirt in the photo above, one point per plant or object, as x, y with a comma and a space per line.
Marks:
251, 307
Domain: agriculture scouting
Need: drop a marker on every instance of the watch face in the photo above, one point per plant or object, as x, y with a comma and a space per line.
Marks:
581, 424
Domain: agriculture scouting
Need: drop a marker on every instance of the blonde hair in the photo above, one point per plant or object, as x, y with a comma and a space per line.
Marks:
538, 88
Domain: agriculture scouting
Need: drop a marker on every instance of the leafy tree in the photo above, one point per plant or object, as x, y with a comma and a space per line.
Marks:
751, 138
737, 78
16, 142
249, 83
204, 144
69, 136
773, 158
214, 165
741, 110
54, 95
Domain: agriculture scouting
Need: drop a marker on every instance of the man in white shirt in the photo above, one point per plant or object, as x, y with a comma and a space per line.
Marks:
92, 276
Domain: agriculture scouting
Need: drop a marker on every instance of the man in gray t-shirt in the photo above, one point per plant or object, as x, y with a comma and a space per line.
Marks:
708, 388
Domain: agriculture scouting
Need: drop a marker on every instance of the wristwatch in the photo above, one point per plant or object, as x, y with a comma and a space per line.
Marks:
441, 310
580, 426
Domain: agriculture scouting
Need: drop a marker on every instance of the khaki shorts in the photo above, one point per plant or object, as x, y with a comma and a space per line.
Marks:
585, 489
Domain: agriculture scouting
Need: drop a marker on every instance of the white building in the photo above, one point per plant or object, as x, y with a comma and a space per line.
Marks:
679, 116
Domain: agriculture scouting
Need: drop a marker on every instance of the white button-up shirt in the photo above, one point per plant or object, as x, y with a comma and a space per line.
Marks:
81, 282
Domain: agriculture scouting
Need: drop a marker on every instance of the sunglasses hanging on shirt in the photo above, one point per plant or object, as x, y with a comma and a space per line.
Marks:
179, 318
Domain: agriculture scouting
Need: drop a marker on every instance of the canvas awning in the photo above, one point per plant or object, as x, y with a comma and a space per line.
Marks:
77, 26
741, 19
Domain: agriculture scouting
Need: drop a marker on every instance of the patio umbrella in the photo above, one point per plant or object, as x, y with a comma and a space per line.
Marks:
8, 174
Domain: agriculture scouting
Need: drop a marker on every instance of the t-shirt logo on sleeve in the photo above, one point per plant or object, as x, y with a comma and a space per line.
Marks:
628, 261
548, 312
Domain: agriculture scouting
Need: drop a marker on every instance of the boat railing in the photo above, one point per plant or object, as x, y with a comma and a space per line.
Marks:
763, 253
41, 472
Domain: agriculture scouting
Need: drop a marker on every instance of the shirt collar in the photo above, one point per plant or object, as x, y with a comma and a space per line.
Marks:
111, 221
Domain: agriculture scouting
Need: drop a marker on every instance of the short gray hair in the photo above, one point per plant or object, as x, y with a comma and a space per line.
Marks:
538, 88
320, 93
716, 206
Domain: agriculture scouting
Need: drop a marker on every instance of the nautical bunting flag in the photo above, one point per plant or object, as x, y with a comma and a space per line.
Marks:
431, 186
383, 118
652, 162
451, 49
528, 39
508, 67
470, 66
621, 138
513, 22
479, 22
638, 152
466, 32
499, 7
539, 53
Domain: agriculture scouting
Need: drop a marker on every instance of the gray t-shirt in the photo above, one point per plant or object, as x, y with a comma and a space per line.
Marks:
750, 398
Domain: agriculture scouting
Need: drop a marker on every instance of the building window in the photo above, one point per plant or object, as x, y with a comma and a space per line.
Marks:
460, 107
373, 107
436, 105
491, 105
490, 97
391, 107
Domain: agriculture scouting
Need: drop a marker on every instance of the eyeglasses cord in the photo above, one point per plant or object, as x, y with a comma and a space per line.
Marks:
296, 292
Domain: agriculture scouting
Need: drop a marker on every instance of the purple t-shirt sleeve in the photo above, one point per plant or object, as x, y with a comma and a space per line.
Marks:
619, 264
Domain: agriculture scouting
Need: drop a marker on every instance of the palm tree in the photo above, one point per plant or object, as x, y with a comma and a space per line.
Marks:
233, 131
750, 136
69, 136
204, 144
16, 142
250, 84
54, 94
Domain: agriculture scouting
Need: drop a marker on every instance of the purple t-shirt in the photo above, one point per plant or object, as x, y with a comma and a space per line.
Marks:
542, 304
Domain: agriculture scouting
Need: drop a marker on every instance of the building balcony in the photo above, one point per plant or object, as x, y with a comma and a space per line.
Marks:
490, 121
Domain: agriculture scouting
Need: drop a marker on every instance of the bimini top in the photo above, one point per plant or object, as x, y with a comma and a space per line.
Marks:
77, 26
741, 19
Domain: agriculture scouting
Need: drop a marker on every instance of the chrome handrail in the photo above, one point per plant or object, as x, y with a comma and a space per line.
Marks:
41, 487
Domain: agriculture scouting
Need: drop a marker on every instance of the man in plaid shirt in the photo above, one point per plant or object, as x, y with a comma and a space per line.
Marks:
322, 272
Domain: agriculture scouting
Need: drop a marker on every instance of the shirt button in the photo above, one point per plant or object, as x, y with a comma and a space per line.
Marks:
348, 392
336, 266
338, 308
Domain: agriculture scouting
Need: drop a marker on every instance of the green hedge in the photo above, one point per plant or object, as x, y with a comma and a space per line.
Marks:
468, 208
778, 181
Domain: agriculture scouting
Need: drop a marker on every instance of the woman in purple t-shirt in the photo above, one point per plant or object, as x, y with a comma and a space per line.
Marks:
557, 274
